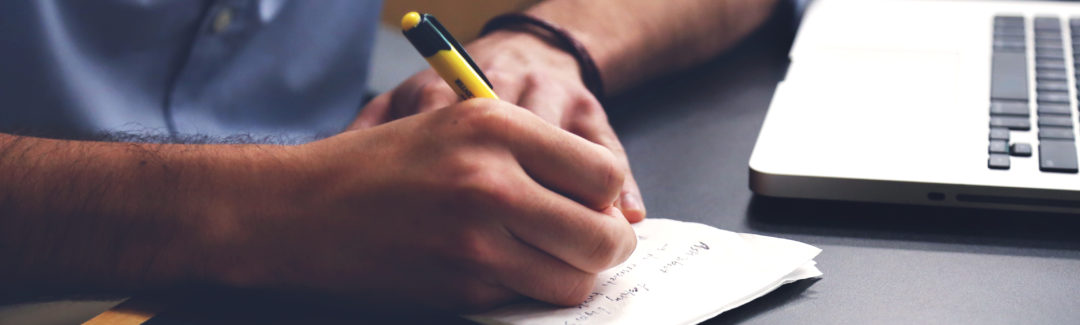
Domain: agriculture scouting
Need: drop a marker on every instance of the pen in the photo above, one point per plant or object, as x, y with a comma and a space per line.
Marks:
446, 56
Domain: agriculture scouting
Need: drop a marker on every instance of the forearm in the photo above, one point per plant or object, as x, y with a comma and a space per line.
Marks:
93, 216
634, 40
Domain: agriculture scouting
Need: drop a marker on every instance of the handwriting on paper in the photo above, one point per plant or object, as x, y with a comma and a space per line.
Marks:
674, 266
660, 259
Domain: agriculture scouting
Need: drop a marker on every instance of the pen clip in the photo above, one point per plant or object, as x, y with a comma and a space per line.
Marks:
457, 46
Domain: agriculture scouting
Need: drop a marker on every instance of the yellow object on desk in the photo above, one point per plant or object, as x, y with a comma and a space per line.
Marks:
446, 56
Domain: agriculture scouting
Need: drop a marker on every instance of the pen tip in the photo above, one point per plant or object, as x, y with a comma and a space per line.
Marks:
410, 20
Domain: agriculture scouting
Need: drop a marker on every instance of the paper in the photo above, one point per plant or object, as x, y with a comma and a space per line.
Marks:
680, 273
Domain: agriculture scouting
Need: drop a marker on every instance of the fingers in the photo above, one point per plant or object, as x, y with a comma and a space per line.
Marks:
591, 123
536, 274
376, 112
583, 115
425, 92
558, 159
556, 247
588, 240
420, 93
629, 201
422, 96
549, 247
545, 101
509, 88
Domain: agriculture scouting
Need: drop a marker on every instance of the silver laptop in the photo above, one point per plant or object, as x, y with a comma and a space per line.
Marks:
958, 103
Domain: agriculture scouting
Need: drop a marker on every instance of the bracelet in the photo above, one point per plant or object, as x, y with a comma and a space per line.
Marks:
590, 74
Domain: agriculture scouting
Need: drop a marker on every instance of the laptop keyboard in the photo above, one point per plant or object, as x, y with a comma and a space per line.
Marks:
1011, 96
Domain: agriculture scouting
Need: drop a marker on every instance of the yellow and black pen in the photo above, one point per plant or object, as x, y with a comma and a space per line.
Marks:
446, 56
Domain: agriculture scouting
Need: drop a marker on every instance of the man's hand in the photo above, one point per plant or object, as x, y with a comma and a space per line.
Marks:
462, 208
526, 71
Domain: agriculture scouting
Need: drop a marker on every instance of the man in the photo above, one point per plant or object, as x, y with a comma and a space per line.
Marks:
419, 198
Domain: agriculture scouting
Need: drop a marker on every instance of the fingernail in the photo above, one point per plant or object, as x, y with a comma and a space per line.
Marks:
631, 202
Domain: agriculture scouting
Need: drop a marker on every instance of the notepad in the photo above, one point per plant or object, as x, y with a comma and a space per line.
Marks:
680, 273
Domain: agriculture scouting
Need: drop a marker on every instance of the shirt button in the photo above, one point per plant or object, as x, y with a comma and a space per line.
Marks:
222, 20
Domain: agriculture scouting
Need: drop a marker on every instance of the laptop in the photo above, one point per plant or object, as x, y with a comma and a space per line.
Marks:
952, 103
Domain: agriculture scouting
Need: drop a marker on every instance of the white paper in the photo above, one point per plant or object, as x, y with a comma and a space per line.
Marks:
680, 273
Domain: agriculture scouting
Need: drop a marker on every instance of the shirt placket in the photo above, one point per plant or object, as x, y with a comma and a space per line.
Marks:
226, 25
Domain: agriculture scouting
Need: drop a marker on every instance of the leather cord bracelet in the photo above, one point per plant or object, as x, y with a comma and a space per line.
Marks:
590, 74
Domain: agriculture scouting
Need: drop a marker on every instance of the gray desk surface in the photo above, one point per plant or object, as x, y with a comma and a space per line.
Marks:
689, 137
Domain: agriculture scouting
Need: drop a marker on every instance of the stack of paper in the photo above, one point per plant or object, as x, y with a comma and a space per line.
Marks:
680, 273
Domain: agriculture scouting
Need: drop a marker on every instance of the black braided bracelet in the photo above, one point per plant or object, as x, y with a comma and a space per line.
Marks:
590, 74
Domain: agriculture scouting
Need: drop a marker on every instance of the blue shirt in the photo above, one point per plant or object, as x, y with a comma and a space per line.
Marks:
288, 69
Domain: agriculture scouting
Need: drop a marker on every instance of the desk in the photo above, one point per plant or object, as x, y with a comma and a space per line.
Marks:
689, 142
689, 137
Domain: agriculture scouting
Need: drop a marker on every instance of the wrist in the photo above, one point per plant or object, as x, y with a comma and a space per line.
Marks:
519, 49
559, 37
240, 193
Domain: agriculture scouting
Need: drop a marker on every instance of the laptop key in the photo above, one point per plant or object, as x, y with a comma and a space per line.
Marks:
1002, 46
1049, 34
1055, 121
1054, 109
1008, 33
1020, 149
1009, 30
1057, 156
1009, 23
1044, 47
1011, 38
999, 134
1050, 74
1049, 54
1052, 85
1009, 108
1009, 76
1053, 97
999, 146
1047, 42
1047, 37
1056, 133
998, 161
1047, 23
1011, 122
1050, 63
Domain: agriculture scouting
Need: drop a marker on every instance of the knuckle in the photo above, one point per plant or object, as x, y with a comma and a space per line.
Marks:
473, 251
500, 78
612, 142
612, 172
481, 187
487, 118
536, 80
433, 95
590, 107
433, 89
612, 247
460, 170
